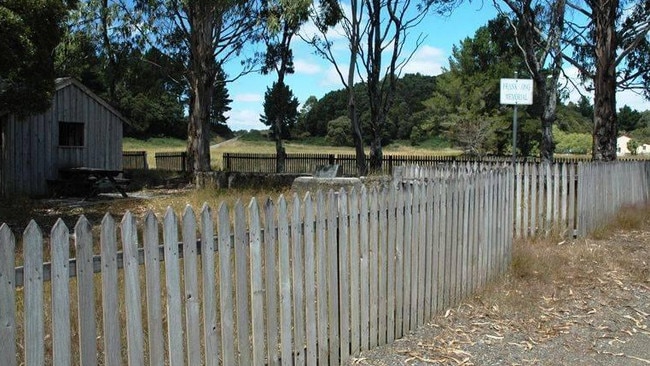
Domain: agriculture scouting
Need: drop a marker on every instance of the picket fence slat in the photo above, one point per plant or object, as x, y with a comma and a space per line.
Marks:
414, 251
297, 272
108, 243
33, 293
355, 311
153, 289
332, 280
226, 288
285, 284
173, 285
390, 268
60, 248
211, 334
191, 287
311, 355
7, 297
135, 342
344, 276
399, 264
321, 279
364, 266
242, 294
408, 239
257, 285
86, 293
373, 268
271, 282
382, 259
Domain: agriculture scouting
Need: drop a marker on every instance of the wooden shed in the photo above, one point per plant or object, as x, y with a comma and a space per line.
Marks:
79, 130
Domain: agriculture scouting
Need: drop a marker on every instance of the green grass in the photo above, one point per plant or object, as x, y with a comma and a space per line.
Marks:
155, 143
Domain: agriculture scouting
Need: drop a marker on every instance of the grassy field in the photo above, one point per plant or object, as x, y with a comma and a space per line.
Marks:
219, 147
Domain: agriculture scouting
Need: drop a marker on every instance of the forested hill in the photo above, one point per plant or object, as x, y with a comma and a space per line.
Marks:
447, 107
331, 110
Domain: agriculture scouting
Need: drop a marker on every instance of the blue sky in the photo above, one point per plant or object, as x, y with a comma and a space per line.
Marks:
315, 76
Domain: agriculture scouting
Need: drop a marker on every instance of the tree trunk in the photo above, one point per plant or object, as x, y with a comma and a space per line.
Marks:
376, 153
201, 79
280, 152
357, 137
605, 125
198, 131
548, 93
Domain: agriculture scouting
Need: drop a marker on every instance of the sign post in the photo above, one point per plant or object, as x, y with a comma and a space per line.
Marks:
516, 92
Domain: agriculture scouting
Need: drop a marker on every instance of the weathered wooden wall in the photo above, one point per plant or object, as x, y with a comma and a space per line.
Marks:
31, 155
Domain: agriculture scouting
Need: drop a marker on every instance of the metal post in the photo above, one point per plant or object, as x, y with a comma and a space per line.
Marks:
514, 134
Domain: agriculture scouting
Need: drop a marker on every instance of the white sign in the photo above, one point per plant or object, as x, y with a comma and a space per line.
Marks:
517, 91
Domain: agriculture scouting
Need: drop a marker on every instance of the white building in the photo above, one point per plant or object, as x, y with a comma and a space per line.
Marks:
621, 147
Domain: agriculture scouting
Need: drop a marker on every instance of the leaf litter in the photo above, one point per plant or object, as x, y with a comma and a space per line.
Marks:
591, 308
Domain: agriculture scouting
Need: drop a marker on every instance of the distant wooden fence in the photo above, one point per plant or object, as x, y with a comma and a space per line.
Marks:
173, 161
132, 160
306, 163
305, 281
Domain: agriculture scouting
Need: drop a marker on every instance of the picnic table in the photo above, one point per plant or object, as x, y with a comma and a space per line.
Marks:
87, 180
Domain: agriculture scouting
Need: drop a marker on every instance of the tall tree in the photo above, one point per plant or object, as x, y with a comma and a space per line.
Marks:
611, 51
329, 15
280, 113
469, 91
539, 27
283, 20
204, 35
30, 30
376, 31
628, 118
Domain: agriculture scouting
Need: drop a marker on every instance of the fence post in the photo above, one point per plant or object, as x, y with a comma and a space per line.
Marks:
390, 164
331, 159
226, 161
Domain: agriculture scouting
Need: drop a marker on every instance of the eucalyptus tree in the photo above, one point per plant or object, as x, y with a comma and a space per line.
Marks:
612, 51
283, 19
30, 30
145, 85
378, 34
538, 27
204, 35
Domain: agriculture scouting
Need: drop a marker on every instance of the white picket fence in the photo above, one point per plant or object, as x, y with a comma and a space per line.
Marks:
604, 188
308, 281
566, 198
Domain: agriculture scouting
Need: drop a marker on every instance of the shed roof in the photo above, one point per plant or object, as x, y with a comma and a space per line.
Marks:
61, 83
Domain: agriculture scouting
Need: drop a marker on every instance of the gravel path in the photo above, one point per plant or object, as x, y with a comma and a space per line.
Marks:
584, 302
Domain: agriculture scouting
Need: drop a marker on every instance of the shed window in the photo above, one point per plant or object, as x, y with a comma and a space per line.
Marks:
71, 134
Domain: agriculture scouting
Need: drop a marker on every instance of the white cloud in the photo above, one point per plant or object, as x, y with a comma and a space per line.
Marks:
248, 98
331, 78
245, 119
304, 66
427, 60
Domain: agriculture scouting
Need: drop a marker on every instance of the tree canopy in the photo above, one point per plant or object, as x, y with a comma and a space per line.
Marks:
30, 29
